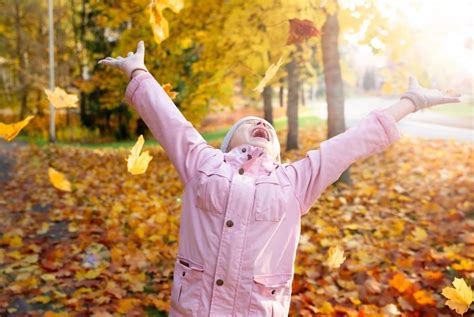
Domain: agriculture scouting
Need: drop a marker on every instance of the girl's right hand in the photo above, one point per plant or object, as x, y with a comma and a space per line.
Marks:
422, 97
132, 62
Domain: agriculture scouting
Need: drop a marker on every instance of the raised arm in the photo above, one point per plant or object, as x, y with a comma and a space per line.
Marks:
185, 147
320, 168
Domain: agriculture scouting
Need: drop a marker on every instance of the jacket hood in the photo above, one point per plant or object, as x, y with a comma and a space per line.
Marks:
230, 133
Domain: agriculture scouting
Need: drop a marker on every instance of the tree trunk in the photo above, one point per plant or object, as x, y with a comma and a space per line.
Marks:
267, 103
333, 81
282, 87
303, 99
292, 104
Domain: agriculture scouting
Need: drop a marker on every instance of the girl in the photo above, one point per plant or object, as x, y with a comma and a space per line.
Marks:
240, 220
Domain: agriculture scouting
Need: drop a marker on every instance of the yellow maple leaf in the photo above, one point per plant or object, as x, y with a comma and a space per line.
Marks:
61, 99
10, 131
335, 257
157, 21
59, 180
460, 297
137, 163
269, 74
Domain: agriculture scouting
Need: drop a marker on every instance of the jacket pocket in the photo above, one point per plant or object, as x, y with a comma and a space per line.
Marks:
187, 285
269, 199
213, 189
271, 295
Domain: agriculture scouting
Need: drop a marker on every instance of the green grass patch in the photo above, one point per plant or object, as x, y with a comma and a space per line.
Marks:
463, 109
305, 120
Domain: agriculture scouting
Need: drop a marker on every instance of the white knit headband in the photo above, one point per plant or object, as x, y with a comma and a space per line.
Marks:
230, 133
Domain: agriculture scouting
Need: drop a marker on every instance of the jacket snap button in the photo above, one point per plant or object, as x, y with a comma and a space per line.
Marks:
244, 150
241, 171
219, 282
229, 223
273, 291
184, 273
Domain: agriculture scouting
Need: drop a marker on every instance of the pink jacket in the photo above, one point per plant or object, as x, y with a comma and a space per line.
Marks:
240, 221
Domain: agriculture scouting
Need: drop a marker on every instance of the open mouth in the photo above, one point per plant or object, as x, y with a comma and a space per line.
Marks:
261, 133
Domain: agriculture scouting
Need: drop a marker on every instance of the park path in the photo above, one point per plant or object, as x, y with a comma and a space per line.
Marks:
424, 124
7, 159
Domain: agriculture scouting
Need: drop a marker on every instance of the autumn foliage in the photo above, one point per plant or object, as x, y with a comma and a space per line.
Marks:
108, 247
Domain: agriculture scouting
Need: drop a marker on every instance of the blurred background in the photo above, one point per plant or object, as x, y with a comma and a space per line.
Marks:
216, 54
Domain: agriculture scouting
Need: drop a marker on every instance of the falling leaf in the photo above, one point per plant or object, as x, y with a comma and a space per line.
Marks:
301, 30
335, 257
58, 180
460, 297
61, 99
269, 74
137, 163
167, 88
10, 131
157, 21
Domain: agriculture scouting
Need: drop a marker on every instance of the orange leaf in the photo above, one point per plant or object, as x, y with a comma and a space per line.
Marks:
400, 282
423, 298
432, 275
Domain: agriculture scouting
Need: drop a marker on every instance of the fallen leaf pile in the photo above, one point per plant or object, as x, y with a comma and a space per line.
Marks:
392, 244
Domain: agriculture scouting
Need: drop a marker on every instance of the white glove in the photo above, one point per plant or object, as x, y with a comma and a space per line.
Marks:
423, 97
129, 64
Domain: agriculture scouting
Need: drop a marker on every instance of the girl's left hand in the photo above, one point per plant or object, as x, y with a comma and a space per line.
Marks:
130, 63
424, 97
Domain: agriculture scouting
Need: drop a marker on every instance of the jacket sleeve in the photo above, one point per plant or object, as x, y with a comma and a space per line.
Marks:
311, 175
183, 144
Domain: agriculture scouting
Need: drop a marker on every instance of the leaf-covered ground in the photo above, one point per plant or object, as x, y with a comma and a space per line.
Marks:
108, 247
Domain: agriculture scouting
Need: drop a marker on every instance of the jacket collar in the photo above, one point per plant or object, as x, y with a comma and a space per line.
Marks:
251, 158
